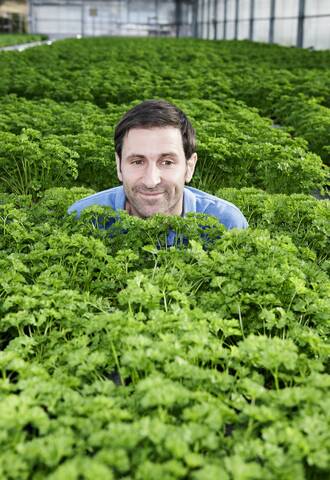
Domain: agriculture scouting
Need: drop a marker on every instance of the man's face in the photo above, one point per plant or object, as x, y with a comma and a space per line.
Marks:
153, 169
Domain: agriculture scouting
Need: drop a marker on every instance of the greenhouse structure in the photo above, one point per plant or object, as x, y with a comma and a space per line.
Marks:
302, 23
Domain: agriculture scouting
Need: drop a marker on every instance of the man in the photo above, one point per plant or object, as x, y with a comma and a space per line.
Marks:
155, 156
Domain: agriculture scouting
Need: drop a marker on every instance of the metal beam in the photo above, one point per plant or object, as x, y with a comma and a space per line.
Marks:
199, 19
208, 19
178, 17
82, 29
272, 20
301, 22
215, 20
195, 18
251, 22
203, 18
157, 8
30, 16
225, 19
236, 18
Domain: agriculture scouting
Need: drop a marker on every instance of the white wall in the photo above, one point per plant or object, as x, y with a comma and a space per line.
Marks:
144, 17
60, 18
316, 22
57, 19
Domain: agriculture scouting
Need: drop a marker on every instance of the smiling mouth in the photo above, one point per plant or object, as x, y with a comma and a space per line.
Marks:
151, 194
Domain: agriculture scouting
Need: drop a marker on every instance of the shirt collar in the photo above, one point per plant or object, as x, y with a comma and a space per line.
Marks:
120, 199
189, 201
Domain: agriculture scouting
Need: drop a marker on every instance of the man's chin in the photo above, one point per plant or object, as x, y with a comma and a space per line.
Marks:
149, 207
150, 212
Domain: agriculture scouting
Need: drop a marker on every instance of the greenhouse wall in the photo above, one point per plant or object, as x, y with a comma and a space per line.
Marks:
302, 23
111, 17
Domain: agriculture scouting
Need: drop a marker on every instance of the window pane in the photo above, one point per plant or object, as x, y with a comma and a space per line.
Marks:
261, 31
285, 32
285, 8
316, 33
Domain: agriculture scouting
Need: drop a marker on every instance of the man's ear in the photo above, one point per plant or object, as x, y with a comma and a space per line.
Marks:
190, 167
119, 174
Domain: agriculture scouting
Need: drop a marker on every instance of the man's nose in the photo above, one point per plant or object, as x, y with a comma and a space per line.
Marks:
152, 176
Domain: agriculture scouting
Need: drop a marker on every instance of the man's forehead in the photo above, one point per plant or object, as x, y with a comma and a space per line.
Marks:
156, 139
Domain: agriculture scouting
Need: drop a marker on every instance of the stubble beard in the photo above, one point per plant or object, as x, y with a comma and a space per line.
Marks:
146, 207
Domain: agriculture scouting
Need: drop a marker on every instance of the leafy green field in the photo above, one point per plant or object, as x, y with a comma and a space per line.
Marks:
8, 39
122, 358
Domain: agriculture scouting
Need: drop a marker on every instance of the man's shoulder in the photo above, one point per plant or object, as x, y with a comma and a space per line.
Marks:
112, 197
227, 213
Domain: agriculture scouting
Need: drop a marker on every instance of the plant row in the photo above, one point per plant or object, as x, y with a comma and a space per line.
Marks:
8, 39
261, 75
124, 358
121, 356
45, 144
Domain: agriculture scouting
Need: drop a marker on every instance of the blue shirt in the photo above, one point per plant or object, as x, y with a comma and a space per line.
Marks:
194, 201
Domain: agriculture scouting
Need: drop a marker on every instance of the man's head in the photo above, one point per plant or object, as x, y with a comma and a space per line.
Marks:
155, 154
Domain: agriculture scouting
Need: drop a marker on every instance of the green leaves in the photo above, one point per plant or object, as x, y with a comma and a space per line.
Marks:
121, 356
75, 100
30, 164
302, 217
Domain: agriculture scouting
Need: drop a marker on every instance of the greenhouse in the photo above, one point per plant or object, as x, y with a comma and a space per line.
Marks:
302, 23
164, 240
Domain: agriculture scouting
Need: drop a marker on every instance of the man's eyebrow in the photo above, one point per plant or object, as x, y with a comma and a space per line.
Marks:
162, 155
135, 155
169, 154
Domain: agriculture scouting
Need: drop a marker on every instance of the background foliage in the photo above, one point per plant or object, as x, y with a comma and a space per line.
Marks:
122, 357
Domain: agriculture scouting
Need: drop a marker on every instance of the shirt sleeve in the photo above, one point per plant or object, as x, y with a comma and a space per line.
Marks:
227, 214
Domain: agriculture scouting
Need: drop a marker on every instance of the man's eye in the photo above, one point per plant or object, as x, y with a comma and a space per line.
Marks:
167, 163
138, 161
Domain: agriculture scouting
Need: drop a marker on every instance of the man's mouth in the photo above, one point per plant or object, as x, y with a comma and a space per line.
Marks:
151, 194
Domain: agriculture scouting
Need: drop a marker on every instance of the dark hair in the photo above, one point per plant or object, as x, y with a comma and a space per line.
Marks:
156, 113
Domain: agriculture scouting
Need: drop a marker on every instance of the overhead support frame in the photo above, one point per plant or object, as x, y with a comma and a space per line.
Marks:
251, 22
301, 24
236, 18
178, 17
195, 18
203, 18
272, 20
208, 19
30, 16
225, 18
215, 20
